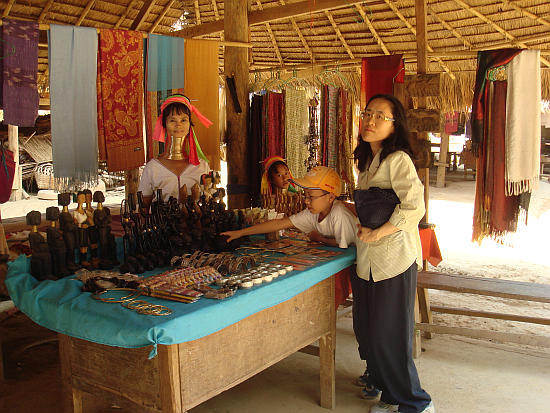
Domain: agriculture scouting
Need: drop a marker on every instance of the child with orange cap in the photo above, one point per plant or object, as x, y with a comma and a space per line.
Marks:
325, 220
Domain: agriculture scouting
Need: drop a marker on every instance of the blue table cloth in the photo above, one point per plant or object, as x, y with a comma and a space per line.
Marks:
62, 306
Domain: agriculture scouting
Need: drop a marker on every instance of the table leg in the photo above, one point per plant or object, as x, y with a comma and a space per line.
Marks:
66, 381
170, 383
77, 401
327, 348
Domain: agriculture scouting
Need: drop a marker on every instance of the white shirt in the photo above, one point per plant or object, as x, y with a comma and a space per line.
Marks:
155, 175
394, 253
339, 224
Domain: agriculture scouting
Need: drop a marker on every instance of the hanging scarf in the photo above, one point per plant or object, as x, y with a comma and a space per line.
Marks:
165, 63
120, 99
266, 184
191, 145
486, 60
19, 88
379, 73
72, 59
276, 124
296, 130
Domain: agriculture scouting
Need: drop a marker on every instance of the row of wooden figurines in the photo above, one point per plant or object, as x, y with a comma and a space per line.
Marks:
86, 230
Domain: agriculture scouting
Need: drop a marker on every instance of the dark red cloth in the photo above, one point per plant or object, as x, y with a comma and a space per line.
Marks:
486, 60
342, 286
19, 70
451, 123
276, 125
7, 172
378, 74
120, 99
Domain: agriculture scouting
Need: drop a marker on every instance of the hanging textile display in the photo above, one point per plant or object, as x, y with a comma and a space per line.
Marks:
332, 127
7, 173
72, 60
19, 72
276, 124
201, 86
345, 140
296, 130
495, 213
313, 134
523, 120
254, 145
323, 132
120, 99
379, 73
165, 63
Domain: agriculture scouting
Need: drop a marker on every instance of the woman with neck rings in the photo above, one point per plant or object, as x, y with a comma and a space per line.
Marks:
183, 162
277, 177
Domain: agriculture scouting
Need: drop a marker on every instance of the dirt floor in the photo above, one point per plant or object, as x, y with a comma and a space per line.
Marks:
462, 376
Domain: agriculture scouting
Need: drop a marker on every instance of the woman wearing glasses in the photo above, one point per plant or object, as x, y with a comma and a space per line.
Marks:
387, 257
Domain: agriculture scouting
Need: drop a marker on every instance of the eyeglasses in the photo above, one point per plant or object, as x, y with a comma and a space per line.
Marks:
312, 198
377, 116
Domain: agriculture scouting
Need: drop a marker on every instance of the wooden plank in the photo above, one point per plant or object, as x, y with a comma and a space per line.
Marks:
488, 314
424, 120
339, 34
441, 166
485, 286
423, 84
327, 350
524, 339
367, 21
169, 369
142, 15
197, 12
424, 308
311, 350
268, 15
125, 14
230, 356
45, 11
7, 9
161, 15
85, 12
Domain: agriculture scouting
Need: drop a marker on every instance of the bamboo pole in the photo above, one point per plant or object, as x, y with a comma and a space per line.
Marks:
13, 145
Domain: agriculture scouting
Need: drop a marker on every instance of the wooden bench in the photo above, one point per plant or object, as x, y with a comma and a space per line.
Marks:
516, 290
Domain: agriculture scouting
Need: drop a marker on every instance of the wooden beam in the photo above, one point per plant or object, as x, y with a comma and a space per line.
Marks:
394, 8
85, 12
489, 314
45, 11
271, 36
8, 8
442, 164
161, 15
300, 35
527, 13
449, 27
339, 34
142, 15
197, 12
125, 14
513, 40
268, 15
372, 29
215, 8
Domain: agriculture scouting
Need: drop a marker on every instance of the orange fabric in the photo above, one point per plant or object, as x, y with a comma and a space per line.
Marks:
430, 246
201, 86
120, 99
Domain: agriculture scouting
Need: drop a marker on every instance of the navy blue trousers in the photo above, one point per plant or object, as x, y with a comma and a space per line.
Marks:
383, 322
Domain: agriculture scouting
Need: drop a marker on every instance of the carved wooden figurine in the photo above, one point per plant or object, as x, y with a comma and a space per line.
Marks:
102, 221
81, 220
69, 229
56, 244
41, 263
91, 230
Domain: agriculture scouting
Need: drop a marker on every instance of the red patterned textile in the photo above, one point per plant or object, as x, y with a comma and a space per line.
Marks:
120, 99
378, 74
276, 124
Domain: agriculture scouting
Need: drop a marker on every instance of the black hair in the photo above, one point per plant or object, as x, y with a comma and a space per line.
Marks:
273, 169
399, 140
175, 108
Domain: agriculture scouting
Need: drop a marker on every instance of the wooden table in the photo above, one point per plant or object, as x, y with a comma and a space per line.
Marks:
184, 375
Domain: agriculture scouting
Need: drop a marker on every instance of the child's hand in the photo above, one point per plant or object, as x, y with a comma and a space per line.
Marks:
367, 235
315, 236
232, 235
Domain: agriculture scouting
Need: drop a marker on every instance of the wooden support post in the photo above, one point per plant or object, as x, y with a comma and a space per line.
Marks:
65, 350
442, 164
131, 181
13, 145
236, 65
327, 350
170, 390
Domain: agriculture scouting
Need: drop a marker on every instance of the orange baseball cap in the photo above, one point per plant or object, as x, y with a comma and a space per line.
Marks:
321, 177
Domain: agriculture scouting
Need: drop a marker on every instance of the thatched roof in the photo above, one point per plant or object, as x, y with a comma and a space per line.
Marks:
326, 31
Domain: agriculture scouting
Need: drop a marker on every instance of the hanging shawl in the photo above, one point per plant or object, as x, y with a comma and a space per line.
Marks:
345, 139
165, 63
191, 144
332, 127
120, 99
523, 131
72, 59
296, 130
379, 73
19, 68
486, 60
276, 124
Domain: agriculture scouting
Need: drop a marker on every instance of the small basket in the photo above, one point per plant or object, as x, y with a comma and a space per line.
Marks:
43, 174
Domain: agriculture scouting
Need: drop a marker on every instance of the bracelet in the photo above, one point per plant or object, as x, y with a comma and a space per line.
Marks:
134, 293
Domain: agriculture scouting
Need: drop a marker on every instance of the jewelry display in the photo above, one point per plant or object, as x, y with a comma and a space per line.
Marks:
129, 301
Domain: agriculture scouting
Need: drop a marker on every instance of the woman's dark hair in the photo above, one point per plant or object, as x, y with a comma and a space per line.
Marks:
273, 169
399, 140
177, 108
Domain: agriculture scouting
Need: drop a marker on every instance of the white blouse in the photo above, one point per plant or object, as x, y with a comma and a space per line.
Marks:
157, 176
